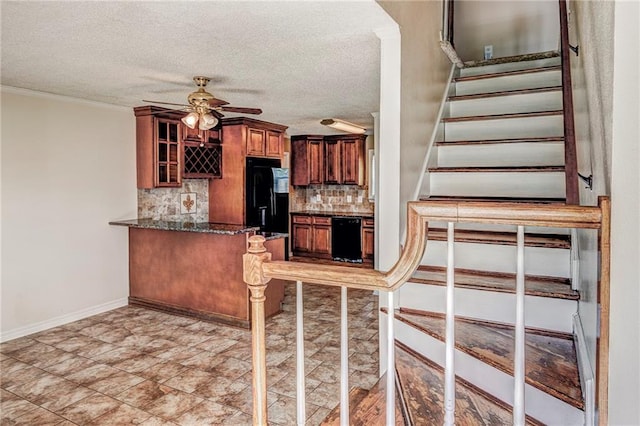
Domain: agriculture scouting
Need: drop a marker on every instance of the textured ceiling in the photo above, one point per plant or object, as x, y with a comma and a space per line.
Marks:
300, 61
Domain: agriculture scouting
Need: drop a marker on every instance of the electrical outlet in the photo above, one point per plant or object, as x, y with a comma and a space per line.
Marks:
488, 52
318, 198
359, 199
348, 198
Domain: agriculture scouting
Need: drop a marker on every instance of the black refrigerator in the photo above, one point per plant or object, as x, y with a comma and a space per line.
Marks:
267, 197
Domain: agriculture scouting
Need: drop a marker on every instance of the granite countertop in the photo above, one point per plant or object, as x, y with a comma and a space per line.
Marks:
334, 213
203, 227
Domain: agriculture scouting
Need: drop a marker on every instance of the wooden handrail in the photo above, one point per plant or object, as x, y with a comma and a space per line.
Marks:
419, 213
570, 154
259, 269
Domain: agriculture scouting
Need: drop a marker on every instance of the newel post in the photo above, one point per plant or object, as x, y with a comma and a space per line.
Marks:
252, 274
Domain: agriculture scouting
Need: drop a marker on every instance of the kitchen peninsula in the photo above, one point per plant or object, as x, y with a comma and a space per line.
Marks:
196, 269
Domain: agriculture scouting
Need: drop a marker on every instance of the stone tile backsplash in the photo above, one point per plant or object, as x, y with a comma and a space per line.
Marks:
165, 203
332, 198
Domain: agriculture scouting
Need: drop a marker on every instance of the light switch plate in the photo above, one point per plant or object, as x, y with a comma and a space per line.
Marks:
488, 51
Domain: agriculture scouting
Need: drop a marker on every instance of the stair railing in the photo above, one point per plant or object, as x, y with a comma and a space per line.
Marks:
259, 269
570, 153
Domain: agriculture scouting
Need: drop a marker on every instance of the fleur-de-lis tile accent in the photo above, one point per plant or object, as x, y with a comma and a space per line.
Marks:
188, 203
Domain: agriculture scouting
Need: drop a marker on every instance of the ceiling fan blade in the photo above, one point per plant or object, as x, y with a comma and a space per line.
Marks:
166, 103
242, 110
214, 102
218, 114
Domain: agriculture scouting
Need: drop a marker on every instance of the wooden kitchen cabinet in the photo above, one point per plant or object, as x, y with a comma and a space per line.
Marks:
301, 234
331, 160
158, 148
264, 143
311, 236
344, 159
321, 237
332, 166
307, 160
368, 239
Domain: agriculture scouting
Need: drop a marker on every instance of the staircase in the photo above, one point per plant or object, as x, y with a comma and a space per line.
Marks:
501, 140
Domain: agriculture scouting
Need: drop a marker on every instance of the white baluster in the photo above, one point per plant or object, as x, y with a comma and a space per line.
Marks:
449, 366
518, 368
300, 385
391, 362
344, 359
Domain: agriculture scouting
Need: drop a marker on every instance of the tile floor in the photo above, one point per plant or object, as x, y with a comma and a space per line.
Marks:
138, 366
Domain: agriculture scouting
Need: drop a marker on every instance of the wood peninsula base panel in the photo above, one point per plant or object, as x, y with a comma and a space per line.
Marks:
196, 274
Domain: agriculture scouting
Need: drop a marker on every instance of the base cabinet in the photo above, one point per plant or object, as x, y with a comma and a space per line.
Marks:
311, 236
368, 240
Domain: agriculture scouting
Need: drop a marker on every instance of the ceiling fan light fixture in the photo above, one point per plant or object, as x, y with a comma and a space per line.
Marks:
191, 119
207, 121
343, 126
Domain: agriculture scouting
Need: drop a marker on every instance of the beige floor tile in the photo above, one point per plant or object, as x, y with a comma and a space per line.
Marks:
137, 366
144, 394
88, 409
206, 413
172, 405
123, 415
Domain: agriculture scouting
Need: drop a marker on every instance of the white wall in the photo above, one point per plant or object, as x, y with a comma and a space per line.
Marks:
512, 27
68, 168
591, 26
424, 76
624, 374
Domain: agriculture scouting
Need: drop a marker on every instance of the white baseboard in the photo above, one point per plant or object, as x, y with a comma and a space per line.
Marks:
61, 320
587, 381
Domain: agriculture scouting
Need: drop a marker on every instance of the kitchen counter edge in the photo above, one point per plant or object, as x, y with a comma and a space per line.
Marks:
334, 214
201, 227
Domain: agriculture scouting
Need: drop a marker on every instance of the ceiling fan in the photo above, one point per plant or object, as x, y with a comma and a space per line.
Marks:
204, 109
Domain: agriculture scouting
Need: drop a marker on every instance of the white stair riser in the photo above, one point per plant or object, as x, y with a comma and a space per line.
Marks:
504, 154
510, 66
503, 228
500, 258
540, 312
529, 102
509, 82
525, 127
498, 184
538, 404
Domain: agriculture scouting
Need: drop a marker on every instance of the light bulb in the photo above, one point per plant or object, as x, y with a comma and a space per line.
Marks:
190, 120
207, 121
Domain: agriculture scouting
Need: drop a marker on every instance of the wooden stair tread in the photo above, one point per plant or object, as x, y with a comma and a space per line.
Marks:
550, 359
500, 169
502, 116
494, 199
368, 409
515, 58
501, 238
504, 93
422, 384
558, 288
507, 73
502, 141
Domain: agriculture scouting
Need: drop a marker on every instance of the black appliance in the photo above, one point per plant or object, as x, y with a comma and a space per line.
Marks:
346, 242
265, 207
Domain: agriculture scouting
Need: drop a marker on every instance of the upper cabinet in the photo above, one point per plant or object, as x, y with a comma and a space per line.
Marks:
333, 160
168, 151
158, 148
307, 160
264, 143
